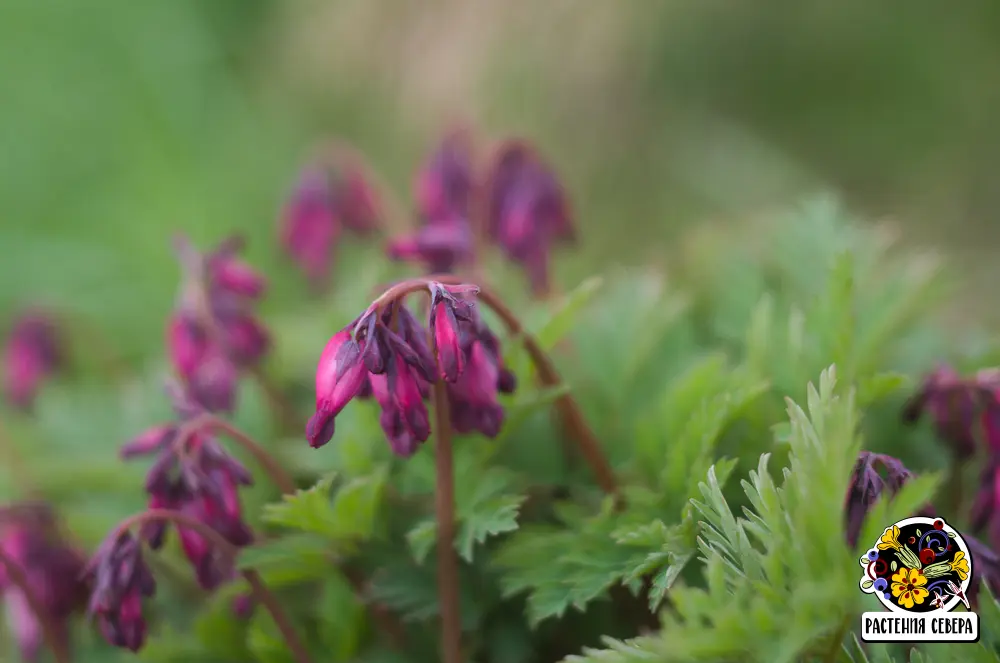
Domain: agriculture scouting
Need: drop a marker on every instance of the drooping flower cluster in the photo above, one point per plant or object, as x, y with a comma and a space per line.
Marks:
213, 332
31, 354
965, 411
444, 189
194, 475
51, 569
120, 580
388, 351
966, 416
868, 484
527, 210
329, 196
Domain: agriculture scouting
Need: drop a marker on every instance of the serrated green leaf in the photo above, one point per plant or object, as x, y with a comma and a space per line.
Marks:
307, 510
421, 539
356, 507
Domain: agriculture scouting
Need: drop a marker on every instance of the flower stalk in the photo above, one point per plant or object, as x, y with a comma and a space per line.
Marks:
210, 422
566, 406
261, 593
444, 507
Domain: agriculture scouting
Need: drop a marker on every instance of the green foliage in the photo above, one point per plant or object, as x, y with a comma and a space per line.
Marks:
733, 462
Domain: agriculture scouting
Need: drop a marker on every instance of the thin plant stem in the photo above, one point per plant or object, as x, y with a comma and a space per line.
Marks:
50, 630
567, 407
204, 422
261, 593
444, 507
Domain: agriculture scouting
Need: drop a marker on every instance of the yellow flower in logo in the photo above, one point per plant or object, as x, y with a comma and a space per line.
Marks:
890, 539
908, 587
960, 565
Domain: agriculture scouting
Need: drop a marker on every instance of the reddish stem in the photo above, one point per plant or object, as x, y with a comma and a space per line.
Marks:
260, 591
444, 507
50, 630
204, 422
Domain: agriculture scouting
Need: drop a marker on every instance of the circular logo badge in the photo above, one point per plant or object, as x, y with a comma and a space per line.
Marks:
918, 565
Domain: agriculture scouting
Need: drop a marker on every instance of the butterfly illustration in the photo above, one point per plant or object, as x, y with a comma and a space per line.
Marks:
938, 601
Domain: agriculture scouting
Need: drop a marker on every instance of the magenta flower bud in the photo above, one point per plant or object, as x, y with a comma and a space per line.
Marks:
228, 273
214, 382
441, 246
149, 441
450, 359
528, 211
187, 344
310, 224
31, 355
245, 339
340, 375
867, 485
120, 579
404, 417
444, 184
355, 197
243, 606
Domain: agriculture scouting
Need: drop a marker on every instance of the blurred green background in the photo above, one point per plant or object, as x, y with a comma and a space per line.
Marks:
123, 121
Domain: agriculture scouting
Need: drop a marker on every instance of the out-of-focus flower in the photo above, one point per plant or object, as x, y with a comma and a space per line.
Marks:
197, 477
120, 580
443, 188
867, 485
391, 353
328, 197
52, 570
32, 353
213, 332
961, 408
527, 210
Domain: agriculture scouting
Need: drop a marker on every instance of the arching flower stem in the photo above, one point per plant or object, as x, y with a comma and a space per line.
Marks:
210, 422
566, 406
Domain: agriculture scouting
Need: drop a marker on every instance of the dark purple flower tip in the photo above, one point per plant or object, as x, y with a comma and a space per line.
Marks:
33, 352
441, 247
958, 406
867, 485
320, 428
444, 184
120, 578
243, 606
213, 384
